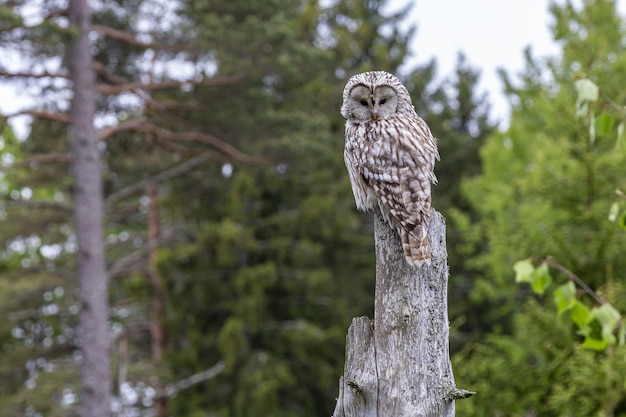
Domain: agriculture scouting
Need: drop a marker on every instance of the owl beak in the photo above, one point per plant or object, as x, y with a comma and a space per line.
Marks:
374, 116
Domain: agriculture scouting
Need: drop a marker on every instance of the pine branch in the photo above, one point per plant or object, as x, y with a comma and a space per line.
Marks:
39, 205
160, 177
208, 139
128, 125
55, 116
45, 74
145, 126
122, 88
194, 379
124, 263
47, 158
187, 150
121, 35
164, 85
102, 70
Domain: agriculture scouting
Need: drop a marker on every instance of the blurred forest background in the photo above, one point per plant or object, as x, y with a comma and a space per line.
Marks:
235, 255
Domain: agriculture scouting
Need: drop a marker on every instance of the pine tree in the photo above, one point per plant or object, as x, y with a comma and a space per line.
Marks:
233, 277
546, 189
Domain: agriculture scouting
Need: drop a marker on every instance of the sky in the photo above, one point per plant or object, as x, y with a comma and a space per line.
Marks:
492, 34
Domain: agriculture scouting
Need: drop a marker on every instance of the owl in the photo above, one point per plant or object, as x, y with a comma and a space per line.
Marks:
390, 155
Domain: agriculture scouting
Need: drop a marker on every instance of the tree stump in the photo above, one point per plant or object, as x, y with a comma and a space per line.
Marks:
398, 365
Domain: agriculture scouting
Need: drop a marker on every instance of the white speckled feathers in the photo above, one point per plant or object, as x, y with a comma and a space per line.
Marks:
390, 155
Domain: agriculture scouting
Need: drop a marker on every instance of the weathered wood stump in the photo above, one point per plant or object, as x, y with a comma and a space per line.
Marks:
398, 365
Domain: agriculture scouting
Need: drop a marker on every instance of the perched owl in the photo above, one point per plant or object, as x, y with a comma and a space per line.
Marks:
390, 155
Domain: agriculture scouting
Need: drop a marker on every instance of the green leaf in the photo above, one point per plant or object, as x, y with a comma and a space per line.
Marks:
580, 314
608, 317
523, 270
587, 90
565, 297
595, 344
599, 327
592, 330
614, 212
541, 279
603, 124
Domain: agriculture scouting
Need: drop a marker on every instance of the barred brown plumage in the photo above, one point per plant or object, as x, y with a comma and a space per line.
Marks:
390, 155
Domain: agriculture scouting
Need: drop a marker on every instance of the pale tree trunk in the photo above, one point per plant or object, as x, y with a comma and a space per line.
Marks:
157, 307
398, 364
95, 373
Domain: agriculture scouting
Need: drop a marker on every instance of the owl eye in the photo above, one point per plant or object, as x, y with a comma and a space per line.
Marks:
383, 101
363, 103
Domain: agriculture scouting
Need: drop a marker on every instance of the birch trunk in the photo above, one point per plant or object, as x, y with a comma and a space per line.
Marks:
398, 365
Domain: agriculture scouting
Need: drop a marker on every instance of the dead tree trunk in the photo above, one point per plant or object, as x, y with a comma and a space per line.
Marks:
398, 365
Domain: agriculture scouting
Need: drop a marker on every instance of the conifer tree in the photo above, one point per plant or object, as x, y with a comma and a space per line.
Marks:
233, 277
546, 188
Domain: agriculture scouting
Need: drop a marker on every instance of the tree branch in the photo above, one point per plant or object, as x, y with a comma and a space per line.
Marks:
194, 379
145, 126
125, 262
58, 117
187, 150
128, 125
40, 204
101, 69
122, 88
613, 104
208, 139
47, 158
120, 35
45, 74
164, 85
573, 277
160, 177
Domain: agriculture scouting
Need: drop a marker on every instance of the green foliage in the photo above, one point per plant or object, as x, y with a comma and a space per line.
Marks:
539, 278
357, 39
266, 289
40, 312
263, 266
588, 92
274, 260
599, 325
617, 212
565, 299
537, 370
546, 188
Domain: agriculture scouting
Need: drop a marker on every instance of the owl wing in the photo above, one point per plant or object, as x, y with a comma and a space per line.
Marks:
396, 160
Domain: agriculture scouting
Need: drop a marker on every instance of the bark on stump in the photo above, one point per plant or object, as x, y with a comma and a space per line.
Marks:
398, 365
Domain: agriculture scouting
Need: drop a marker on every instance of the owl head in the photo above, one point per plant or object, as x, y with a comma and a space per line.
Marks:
373, 96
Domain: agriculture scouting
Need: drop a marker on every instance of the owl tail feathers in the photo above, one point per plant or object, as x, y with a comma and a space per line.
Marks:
416, 251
